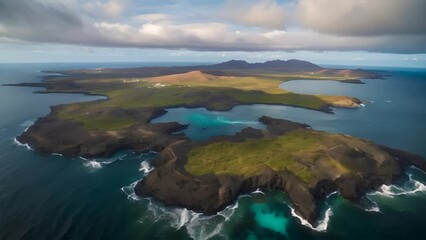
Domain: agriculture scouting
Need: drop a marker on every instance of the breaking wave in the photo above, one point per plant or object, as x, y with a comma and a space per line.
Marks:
112, 159
93, 164
411, 187
322, 224
15, 141
373, 209
145, 167
130, 191
98, 162
258, 191
197, 225
228, 211
372, 205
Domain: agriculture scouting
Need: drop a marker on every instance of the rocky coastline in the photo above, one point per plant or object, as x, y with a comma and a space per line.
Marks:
209, 194
72, 139
345, 164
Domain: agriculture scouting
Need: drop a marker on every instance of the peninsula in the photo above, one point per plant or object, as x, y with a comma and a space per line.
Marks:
207, 176
137, 95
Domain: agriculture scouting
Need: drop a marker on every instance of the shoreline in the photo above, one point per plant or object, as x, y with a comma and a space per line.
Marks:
224, 189
328, 108
68, 79
72, 138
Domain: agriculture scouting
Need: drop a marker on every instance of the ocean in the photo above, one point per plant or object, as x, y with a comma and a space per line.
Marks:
54, 197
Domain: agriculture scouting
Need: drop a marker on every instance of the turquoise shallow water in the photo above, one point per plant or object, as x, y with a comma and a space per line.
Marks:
269, 218
51, 197
395, 115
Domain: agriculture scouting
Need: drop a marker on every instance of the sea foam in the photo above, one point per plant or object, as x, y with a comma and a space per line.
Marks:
411, 187
322, 224
198, 225
93, 164
258, 191
130, 191
373, 209
373, 206
22, 144
98, 162
145, 167
228, 211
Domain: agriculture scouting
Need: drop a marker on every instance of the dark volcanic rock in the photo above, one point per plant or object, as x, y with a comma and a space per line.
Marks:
71, 138
407, 158
209, 193
281, 126
370, 167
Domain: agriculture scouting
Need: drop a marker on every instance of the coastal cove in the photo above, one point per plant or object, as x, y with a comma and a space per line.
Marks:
401, 90
249, 216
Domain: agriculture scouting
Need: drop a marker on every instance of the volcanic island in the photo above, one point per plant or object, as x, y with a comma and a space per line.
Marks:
206, 176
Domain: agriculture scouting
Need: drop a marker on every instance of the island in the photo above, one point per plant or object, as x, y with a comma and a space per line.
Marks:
206, 176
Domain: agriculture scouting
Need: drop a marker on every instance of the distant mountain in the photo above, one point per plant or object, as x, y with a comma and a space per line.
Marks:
229, 68
292, 65
233, 64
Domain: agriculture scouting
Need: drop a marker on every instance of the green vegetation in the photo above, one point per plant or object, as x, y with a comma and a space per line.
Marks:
110, 123
177, 95
95, 118
193, 89
143, 97
248, 158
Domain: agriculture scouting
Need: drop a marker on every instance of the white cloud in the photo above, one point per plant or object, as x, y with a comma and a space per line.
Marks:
153, 29
114, 8
219, 37
153, 17
110, 9
274, 34
364, 17
263, 13
62, 23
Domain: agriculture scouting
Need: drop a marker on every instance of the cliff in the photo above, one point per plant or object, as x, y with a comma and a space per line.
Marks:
340, 163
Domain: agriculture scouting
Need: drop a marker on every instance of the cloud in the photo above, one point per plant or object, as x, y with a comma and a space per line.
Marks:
45, 21
153, 17
37, 14
110, 9
219, 37
262, 13
113, 8
364, 17
66, 23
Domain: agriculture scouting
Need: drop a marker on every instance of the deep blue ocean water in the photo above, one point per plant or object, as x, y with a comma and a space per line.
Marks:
53, 197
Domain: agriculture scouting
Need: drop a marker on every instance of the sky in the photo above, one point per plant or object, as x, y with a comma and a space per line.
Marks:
349, 32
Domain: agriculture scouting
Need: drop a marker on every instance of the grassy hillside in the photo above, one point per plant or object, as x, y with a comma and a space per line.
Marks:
295, 152
192, 89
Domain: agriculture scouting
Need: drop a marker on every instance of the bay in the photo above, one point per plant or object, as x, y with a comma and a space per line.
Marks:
49, 196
